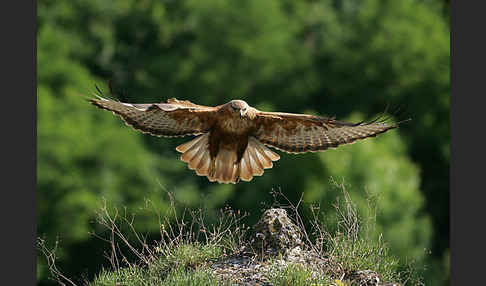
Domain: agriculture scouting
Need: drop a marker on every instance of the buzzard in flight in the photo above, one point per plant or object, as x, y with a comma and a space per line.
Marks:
232, 138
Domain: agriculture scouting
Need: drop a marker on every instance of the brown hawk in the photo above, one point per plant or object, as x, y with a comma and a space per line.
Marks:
231, 138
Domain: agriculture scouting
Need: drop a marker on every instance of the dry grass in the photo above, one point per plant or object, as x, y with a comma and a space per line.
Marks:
188, 246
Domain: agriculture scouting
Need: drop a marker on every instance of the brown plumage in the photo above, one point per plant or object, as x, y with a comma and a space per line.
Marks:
232, 138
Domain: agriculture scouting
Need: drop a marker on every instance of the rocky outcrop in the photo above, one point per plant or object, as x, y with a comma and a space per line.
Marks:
275, 233
276, 243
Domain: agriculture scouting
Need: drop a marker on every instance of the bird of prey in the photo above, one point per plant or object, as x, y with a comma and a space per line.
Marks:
231, 139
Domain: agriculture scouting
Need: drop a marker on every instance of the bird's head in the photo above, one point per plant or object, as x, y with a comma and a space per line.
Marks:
239, 107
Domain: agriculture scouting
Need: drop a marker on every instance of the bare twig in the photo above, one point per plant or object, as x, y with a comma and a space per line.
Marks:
51, 257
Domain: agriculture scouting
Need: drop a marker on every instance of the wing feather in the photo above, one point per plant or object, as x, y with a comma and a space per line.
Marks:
172, 119
299, 133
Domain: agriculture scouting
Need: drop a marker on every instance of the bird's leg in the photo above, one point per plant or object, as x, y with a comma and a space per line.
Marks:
237, 175
212, 167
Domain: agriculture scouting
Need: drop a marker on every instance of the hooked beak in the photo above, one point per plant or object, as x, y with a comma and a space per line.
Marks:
242, 112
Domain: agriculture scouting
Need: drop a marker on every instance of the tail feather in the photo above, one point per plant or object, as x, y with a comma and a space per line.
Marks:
224, 165
224, 168
218, 167
256, 158
202, 169
256, 163
246, 166
227, 159
266, 162
246, 174
265, 155
264, 150
192, 148
184, 147
196, 159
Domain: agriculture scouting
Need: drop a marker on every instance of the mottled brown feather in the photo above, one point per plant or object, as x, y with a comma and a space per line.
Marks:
172, 119
300, 133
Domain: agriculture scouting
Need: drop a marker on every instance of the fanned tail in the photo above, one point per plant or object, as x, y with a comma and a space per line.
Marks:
225, 168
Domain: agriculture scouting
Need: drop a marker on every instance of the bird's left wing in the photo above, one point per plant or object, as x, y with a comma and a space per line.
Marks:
299, 133
171, 119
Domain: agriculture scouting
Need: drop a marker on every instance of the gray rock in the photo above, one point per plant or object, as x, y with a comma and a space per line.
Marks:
276, 233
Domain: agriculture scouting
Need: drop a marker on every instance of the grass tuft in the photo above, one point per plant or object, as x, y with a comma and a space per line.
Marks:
130, 275
192, 255
295, 274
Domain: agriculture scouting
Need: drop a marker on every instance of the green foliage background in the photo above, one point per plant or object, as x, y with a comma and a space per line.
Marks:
344, 58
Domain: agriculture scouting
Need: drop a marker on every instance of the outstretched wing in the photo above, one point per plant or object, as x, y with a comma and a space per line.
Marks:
171, 119
299, 133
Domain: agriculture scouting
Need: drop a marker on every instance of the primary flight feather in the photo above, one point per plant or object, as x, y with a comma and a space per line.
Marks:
231, 139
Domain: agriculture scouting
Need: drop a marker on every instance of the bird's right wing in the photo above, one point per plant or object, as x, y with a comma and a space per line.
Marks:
172, 119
